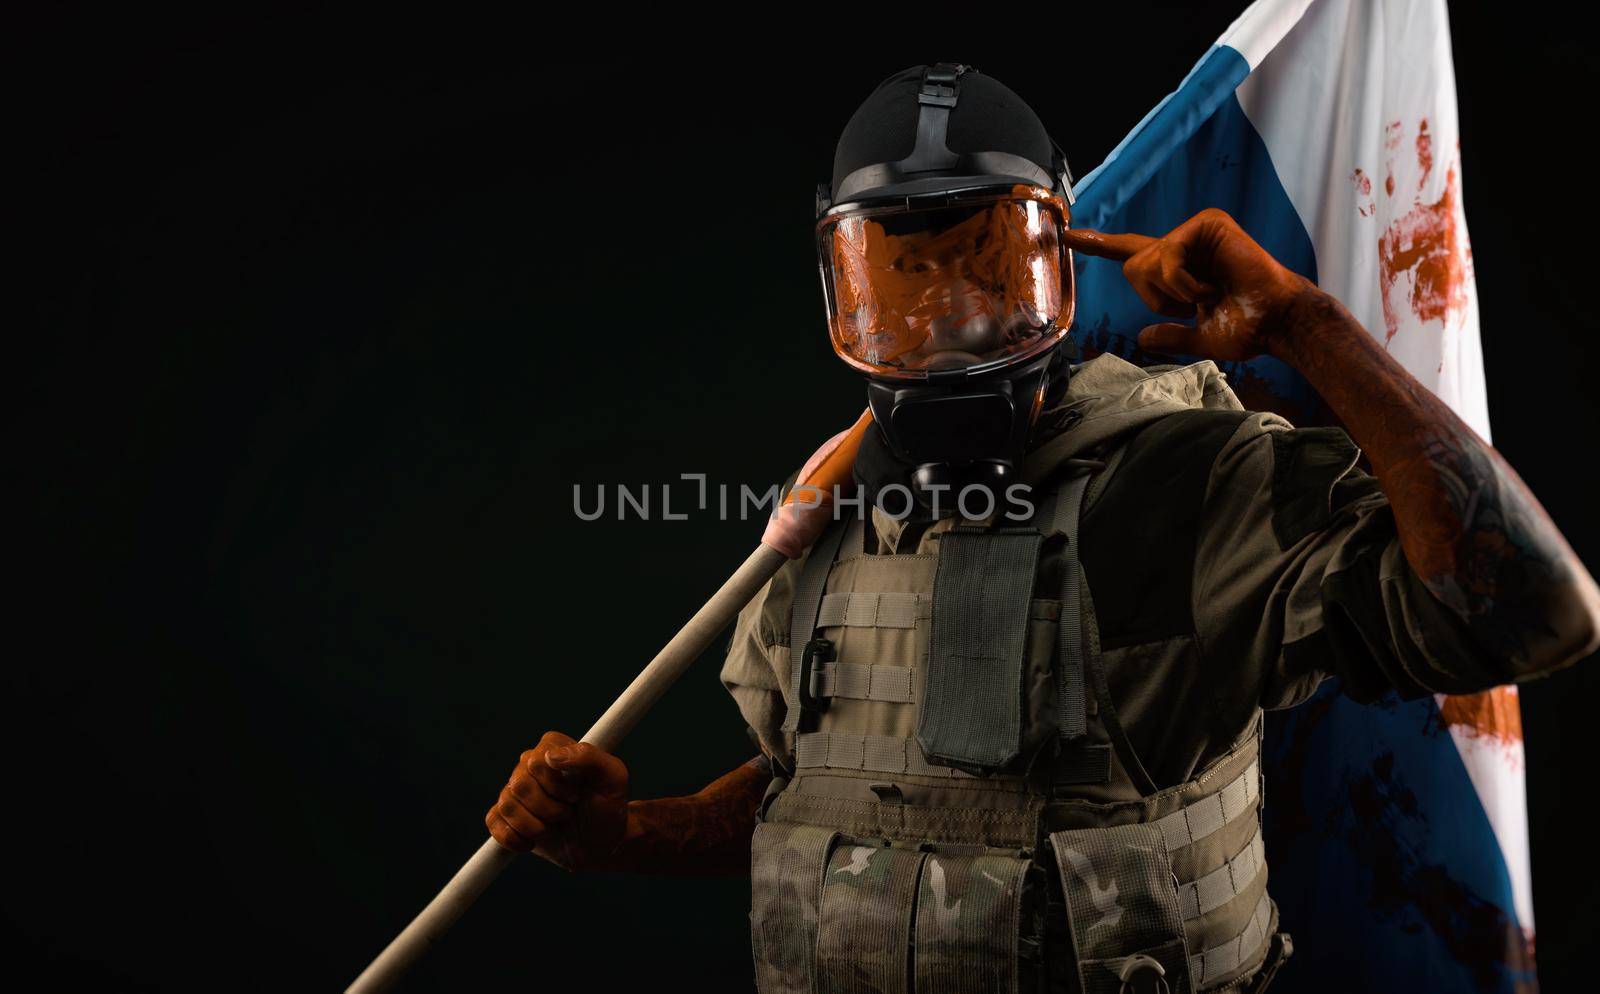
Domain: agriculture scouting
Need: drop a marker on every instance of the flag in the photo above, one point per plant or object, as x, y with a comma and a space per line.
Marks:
1396, 832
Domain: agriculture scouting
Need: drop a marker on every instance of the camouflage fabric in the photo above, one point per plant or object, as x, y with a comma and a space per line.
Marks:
864, 935
786, 864
968, 923
1121, 900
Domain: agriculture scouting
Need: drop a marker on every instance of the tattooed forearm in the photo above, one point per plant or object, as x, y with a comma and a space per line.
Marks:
1469, 527
706, 833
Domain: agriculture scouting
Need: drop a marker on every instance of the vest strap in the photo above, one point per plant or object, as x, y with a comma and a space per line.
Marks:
808, 591
1070, 716
1081, 763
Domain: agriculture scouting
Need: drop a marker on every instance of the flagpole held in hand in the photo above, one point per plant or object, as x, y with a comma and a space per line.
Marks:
801, 518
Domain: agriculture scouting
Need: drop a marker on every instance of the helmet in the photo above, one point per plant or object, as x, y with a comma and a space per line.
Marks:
944, 274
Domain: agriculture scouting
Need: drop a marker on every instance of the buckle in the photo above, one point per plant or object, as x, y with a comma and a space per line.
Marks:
817, 650
1143, 975
941, 84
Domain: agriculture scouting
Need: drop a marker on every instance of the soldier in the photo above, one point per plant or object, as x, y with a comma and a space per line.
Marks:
1015, 746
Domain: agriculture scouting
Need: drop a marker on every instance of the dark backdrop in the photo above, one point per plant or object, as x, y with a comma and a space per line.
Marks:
314, 346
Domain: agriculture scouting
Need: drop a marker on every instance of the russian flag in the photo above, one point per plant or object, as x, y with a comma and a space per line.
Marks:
1397, 833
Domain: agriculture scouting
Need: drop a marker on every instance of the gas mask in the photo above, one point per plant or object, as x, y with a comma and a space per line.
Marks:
947, 283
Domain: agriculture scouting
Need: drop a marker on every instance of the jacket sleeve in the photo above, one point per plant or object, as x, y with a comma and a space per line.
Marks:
756, 669
1299, 571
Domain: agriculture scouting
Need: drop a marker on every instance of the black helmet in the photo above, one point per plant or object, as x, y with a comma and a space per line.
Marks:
944, 273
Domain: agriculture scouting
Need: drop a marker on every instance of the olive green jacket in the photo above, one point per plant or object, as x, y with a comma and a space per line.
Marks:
1234, 560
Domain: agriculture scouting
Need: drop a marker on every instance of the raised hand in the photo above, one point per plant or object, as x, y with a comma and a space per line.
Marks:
1208, 269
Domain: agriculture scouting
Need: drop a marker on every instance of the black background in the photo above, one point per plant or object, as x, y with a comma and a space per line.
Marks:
315, 343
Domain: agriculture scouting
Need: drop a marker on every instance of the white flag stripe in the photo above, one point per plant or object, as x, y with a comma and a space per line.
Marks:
1356, 105
1258, 30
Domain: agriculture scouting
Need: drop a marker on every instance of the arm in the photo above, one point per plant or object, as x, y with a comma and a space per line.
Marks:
1470, 530
706, 833
568, 802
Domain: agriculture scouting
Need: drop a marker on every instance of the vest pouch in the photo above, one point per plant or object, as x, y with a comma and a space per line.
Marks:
864, 924
971, 713
1122, 901
978, 924
787, 863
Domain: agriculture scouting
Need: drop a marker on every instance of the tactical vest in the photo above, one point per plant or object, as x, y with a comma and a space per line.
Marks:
958, 815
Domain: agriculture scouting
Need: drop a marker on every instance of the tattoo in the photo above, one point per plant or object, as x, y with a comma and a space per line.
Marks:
704, 834
1472, 532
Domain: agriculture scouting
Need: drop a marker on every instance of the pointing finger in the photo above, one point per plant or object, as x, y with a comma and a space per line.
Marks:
1106, 246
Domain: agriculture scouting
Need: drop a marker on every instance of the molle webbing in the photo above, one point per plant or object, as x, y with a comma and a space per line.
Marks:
1123, 899
871, 753
860, 609
864, 682
1226, 882
971, 712
807, 603
1219, 960
1194, 822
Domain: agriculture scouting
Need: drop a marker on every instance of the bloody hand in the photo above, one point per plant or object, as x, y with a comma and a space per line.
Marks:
1206, 268
567, 801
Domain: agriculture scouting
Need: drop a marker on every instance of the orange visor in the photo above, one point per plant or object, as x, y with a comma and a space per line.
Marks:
950, 284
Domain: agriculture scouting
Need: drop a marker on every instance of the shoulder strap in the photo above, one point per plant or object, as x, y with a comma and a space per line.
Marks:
1070, 719
807, 601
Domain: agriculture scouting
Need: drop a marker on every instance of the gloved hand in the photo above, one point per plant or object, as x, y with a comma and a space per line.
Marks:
1209, 269
566, 801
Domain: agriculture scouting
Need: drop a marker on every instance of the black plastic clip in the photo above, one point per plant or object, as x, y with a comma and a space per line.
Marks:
818, 650
941, 84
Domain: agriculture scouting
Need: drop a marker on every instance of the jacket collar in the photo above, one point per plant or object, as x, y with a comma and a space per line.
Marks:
1106, 400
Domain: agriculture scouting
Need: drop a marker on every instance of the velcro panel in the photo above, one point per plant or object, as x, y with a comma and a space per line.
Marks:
968, 919
971, 712
1121, 901
786, 873
864, 931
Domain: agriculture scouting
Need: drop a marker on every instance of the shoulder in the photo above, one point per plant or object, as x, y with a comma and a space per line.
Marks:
1296, 478
1139, 535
